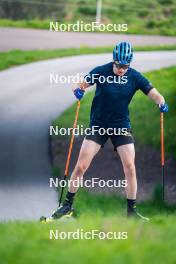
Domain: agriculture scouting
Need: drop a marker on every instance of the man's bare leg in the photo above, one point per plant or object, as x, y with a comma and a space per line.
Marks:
127, 156
88, 150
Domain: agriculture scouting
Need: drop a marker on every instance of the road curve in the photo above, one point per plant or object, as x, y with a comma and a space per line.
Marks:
28, 104
28, 39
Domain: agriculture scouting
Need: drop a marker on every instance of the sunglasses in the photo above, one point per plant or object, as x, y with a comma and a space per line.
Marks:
121, 66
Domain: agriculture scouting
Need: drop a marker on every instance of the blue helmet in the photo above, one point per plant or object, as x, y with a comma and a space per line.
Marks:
123, 53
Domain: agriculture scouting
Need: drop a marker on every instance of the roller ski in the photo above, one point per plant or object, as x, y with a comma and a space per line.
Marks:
133, 213
65, 211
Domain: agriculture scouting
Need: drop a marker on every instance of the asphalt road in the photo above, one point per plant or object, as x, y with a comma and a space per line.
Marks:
28, 39
28, 104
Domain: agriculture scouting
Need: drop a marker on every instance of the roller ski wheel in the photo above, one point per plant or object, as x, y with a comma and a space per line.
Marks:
44, 219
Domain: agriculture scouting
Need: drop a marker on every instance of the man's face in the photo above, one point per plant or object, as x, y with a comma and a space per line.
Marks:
120, 69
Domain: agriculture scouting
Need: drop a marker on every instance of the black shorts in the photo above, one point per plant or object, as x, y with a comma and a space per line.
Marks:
117, 140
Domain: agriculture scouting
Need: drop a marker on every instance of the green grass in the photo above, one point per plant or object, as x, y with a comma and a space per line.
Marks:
28, 242
31, 23
19, 57
142, 17
145, 115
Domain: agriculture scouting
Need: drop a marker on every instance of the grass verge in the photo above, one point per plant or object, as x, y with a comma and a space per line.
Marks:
29, 242
19, 57
153, 18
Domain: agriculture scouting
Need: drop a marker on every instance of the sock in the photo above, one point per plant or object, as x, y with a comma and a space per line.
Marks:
131, 204
69, 198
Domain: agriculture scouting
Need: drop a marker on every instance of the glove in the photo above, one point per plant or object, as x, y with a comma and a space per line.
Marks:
164, 108
79, 93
